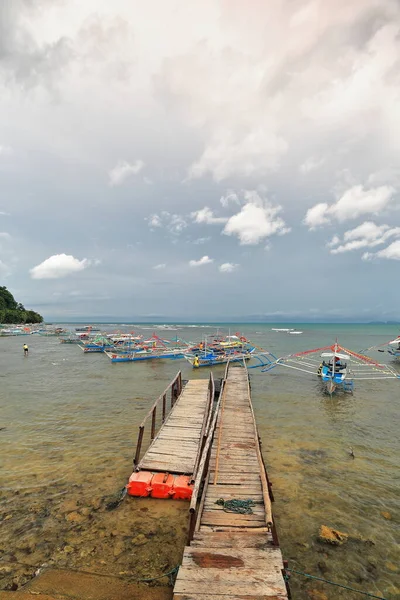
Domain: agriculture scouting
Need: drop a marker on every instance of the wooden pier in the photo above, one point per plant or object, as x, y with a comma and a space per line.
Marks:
230, 555
177, 446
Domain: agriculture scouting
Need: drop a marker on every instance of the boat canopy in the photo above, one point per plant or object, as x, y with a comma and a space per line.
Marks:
394, 342
335, 354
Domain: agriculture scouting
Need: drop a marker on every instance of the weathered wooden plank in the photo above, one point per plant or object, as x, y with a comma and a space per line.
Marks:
236, 539
217, 581
190, 596
238, 558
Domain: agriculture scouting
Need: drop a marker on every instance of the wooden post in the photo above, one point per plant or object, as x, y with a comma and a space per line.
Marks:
164, 406
192, 524
180, 382
173, 394
153, 423
138, 446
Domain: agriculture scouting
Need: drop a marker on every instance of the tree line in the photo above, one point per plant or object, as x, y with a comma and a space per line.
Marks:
12, 311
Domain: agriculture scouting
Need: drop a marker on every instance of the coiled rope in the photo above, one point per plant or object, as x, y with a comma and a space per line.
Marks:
242, 507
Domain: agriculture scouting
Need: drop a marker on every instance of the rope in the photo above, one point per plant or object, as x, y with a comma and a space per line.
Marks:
39, 569
242, 507
117, 501
171, 574
346, 587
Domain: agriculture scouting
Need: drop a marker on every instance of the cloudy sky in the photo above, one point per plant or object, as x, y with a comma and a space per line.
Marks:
204, 159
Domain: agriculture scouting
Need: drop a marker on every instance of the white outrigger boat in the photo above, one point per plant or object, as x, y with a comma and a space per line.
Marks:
339, 368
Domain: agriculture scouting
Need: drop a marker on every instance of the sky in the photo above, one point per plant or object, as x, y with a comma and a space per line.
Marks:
203, 160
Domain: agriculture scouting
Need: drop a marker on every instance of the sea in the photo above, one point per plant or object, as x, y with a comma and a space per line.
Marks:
68, 428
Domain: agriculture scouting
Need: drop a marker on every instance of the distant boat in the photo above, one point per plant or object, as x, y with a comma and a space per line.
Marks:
140, 355
295, 332
86, 329
285, 330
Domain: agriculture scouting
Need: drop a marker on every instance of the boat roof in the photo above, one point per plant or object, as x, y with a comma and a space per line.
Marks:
335, 354
396, 341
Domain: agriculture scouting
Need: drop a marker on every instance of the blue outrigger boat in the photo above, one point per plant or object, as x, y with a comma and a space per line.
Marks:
144, 355
335, 371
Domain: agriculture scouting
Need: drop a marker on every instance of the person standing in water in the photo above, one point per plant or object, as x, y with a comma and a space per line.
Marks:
26, 349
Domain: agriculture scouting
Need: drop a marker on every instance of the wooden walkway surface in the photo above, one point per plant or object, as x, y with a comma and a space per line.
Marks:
233, 556
176, 446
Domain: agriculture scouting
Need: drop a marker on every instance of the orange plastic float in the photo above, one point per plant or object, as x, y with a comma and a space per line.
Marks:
182, 489
159, 485
140, 484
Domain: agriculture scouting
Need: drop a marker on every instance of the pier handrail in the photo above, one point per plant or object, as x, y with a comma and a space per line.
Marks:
176, 389
202, 469
263, 475
206, 424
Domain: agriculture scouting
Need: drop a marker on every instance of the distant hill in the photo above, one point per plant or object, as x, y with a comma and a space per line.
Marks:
12, 311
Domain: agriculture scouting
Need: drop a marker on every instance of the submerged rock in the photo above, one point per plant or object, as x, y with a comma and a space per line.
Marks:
386, 515
74, 517
139, 540
332, 536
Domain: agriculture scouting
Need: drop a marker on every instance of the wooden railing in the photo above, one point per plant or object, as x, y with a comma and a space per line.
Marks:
206, 424
175, 389
202, 470
268, 496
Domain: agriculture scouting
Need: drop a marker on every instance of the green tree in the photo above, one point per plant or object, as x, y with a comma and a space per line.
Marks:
15, 312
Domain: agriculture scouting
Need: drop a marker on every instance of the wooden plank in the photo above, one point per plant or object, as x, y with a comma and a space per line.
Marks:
218, 581
210, 539
238, 558
190, 596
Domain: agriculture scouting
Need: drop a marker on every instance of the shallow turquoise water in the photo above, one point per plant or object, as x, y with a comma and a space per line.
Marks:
71, 423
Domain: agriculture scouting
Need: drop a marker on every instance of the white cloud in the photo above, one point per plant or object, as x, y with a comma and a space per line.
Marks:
123, 170
159, 267
392, 252
311, 164
228, 267
4, 235
59, 265
366, 235
334, 242
316, 216
155, 221
202, 240
174, 223
230, 197
354, 202
230, 153
258, 219
205, 215
205, 260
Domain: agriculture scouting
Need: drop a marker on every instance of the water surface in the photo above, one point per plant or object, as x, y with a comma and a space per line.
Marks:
70, 424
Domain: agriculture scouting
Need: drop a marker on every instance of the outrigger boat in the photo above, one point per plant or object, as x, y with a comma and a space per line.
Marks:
144, 355
210, 359
98, 344
394, 348
151, 349
338, 369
